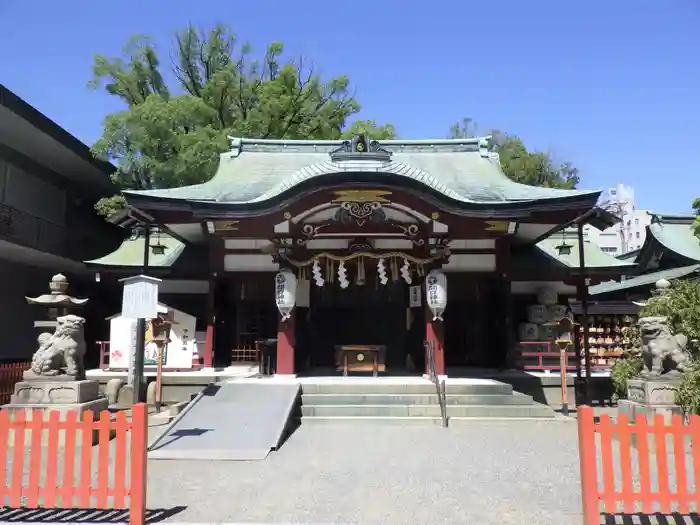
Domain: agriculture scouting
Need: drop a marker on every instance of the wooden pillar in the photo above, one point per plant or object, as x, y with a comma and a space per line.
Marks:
285, 345
435, 332
211, 323
511, 354
504, 266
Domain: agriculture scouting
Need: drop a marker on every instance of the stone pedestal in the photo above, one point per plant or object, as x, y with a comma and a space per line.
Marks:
651, 397
62, 395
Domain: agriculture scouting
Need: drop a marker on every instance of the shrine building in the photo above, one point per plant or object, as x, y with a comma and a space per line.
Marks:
321, 244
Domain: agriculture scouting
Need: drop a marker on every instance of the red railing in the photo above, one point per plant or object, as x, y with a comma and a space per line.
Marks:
658, 475
549, 359
10, 374
104, 353
82, 485
544, 360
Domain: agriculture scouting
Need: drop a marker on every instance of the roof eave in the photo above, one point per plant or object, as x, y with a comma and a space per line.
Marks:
212, 208
44, 124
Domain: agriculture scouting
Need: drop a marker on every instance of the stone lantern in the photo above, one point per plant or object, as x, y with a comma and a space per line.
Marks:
57, 303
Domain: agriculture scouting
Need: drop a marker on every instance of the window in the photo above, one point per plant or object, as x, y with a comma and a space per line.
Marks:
629, 222
609, 249
637, 235
636, 221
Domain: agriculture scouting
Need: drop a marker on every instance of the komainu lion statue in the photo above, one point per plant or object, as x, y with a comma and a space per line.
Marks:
62, 352
664, 353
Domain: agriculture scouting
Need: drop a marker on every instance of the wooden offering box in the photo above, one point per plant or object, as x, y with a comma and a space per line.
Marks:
360, 358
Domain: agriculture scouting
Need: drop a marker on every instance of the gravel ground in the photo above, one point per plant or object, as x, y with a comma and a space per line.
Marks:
486, 473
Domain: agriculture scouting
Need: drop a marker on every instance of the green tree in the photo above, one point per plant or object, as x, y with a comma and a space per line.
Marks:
534, 168
170, 136
371, 129
696, 209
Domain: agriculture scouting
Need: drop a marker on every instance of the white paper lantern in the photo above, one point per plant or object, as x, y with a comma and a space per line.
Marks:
436, 293
285, 293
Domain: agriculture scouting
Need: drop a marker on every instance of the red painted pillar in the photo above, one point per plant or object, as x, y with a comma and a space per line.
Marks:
211, 320
285, 345
434, 331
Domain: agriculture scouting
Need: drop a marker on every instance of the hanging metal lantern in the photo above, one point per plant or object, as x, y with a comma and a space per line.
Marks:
285, 293
436, 293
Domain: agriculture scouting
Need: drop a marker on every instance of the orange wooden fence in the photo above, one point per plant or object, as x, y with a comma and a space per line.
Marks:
638, 467
71, 474
10, 373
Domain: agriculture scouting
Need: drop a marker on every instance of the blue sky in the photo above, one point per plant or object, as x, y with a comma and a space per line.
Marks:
612, 86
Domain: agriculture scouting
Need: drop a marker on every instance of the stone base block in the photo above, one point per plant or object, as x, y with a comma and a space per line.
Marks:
634, 409
653, 392
47, 392
96, 406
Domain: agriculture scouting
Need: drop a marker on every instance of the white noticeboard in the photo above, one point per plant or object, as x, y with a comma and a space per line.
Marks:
140, 299
178, 353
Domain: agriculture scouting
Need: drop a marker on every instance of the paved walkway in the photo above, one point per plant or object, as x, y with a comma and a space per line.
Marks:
505, 472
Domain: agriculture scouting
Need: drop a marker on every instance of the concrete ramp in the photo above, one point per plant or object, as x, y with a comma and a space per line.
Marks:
231, 421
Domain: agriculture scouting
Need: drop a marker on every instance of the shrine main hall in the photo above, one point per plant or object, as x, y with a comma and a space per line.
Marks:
320, 245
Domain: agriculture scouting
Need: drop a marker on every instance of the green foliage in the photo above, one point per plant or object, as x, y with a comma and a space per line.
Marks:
170, 137
108, 206
534, 168
622, 371
370, 129
696, 209
688, 395
680, 303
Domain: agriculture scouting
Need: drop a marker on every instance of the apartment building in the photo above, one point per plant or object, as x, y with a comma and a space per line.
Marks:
49, 182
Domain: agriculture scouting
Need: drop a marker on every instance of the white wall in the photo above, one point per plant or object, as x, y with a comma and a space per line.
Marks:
629, 234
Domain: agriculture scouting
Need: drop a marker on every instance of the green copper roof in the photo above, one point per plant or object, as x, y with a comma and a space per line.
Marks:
465, 170
594, 257
676, 234
130, 253
644, 280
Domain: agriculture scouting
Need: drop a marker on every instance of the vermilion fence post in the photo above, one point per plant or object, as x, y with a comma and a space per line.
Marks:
4, 438
139, 442
589, 475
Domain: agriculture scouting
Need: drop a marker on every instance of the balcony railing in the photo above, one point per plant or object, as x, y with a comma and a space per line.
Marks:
31, 231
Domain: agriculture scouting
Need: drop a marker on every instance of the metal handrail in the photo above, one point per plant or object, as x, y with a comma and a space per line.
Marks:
439, 385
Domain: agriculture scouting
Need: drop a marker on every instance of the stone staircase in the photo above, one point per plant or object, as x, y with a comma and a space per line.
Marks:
414, 402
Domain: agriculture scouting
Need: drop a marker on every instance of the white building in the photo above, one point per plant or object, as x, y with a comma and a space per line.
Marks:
629, 234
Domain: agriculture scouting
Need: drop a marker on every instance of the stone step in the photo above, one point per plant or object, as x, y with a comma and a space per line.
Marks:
403, 421
431, 411
381, 387
415, 399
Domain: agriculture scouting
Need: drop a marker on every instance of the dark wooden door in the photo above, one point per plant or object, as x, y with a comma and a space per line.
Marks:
365, 314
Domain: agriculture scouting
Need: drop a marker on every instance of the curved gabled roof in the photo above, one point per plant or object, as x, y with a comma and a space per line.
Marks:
463, 170
676, 233
672, 235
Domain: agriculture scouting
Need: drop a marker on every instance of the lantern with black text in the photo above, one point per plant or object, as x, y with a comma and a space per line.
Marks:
285, 293
436, 293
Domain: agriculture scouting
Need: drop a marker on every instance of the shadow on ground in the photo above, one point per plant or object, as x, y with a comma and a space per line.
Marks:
652, 519
9, 515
